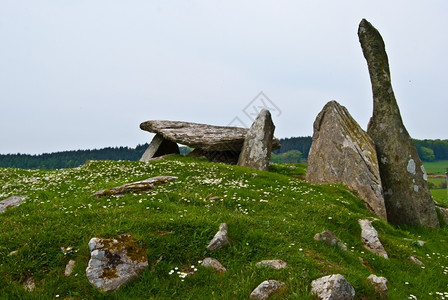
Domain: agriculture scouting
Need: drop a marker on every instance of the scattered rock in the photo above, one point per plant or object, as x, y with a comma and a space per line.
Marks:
418, 242
416, 261
332, 287
370, 238
380, 285
404, 179
159, 147
342, 152
136, 187
114, 262
209, 262
274, 263
69, 267
13, 201
257, 146
266, 289
15, 252
220, 239
29, 284
330, 239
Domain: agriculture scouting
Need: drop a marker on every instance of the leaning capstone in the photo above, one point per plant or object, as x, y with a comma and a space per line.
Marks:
272, 263
159, 146
332, 287
13, 201
370, 238
342, 152
220, 239
330, 239
257, 146
209, 262
114, 262
404, 179
266, 289
380, 285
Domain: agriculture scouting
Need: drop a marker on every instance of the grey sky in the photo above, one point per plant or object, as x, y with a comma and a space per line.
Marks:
84, 74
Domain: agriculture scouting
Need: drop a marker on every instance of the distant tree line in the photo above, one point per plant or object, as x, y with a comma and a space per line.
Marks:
430, 150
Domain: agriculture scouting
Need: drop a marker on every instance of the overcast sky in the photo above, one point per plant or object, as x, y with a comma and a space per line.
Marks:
80, 74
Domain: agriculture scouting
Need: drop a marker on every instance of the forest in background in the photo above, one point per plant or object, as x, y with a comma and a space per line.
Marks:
294, 149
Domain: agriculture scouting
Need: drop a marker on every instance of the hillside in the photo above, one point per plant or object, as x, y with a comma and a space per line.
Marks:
270, 215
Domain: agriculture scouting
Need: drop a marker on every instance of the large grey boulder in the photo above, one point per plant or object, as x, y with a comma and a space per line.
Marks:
257, 146
159, 147
13, 201
114, 262
332, 287
404, 179
342, 152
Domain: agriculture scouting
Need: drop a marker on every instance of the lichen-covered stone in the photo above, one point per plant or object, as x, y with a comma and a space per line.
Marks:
220, 239
266, 289
114, 262
332, 287
136, 187
370, 238
342, 152
159, 147
272, 263
403, 177
257, 146
380, 285
330, 239
209, 262
13, 201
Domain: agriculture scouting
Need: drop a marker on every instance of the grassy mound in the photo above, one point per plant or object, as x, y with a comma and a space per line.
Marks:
270, 215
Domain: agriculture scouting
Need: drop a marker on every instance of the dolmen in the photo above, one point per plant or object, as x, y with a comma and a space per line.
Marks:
216, 143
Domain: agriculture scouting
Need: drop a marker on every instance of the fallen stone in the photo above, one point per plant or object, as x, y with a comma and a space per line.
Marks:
332, 287
114, 262
416, 261
273, 263
266, 289
159, 147
380, 285
209, 262
201, 136
342, 152
10, 202
330, 239
403, 176
136, 187
29, 284
257, 147
69, 267
220, 239
370, 238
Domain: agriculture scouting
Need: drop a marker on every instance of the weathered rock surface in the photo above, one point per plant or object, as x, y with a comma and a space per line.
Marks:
257, 147
332, 287
380, 285
69, 267
136, 187
220, 239
330, 239
114, 262
272, 263
201, 136
266, 289
13, 201
209, 262
403, 177
342, 152
370, 238
159, 147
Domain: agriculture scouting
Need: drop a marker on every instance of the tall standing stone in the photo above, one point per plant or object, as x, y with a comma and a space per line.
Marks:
404, 179
257, 146
342, 152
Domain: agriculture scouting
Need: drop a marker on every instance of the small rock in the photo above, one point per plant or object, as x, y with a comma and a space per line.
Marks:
220, 239
15, 252
370, 238
380, 285
332, 287
69, 267
416, 261
266, 289
13, 201
29, 284
420, 243
274, 263
209, 262
330, 239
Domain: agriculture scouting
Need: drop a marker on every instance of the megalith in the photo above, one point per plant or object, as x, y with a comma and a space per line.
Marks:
257, 146
342, 152
159, 146
403, 177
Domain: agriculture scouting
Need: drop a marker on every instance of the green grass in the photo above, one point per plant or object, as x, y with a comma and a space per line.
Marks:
436, 167
270, 215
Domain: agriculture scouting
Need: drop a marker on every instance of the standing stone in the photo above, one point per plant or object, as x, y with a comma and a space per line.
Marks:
342, 152
370, 238
266, 289
332, 287
404, 179
257, 146
159, 146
